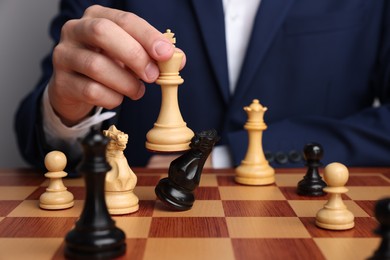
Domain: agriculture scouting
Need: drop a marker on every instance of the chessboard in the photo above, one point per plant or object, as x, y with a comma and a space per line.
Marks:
227, 221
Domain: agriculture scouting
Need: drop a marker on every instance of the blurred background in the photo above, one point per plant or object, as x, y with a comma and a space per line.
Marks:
24, 41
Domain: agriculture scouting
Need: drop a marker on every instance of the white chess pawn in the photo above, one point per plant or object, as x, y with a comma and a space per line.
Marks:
335, 215
56, 195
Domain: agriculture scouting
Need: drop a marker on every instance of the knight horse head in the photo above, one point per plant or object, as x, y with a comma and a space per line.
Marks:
204, 141
118, 139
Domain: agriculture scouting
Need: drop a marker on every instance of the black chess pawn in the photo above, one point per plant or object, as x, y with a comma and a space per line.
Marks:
312, 183
95, 235
177, 191
382, 214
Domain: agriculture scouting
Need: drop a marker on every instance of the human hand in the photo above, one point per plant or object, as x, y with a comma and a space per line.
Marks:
102, 57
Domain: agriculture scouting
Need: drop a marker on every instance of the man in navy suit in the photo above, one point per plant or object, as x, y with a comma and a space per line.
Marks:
317, 65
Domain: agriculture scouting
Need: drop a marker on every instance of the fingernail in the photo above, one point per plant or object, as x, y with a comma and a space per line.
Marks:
141, 91
152, 71
162, 48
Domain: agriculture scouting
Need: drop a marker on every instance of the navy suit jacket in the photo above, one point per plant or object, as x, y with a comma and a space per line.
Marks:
316, 65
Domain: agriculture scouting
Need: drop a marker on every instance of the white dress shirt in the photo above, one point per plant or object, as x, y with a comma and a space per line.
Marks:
239, 18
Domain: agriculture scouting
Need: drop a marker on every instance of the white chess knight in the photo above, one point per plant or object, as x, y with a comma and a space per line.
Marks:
335, 215
120, 180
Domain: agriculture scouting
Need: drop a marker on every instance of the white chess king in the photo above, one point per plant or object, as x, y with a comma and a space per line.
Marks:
255, 169
170, 133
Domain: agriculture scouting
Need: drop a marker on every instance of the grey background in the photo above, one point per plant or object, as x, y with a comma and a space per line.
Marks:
24, 41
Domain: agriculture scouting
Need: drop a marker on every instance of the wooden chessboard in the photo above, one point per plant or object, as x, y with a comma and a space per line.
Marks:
228, 221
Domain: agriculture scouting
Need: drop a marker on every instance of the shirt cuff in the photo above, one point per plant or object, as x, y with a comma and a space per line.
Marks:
56, 132
221, 157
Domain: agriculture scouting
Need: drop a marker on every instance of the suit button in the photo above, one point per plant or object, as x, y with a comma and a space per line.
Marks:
269, 156
295, 156
281, 158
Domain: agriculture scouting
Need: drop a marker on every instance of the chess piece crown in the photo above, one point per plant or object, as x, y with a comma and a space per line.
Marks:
255, 112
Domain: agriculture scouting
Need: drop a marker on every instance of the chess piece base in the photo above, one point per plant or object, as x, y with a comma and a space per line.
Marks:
173, 138
174, 197
306, 188
249, 174
56, 200
335, 219
121, 202
96, 245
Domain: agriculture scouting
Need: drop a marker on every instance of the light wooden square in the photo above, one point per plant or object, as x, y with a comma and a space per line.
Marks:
288, 180
137, 227
30, 208
208, 180
16, 192
368, 193
145, 192
251, 193
347, 248
266, 227
29, 248
189, 249
309, 208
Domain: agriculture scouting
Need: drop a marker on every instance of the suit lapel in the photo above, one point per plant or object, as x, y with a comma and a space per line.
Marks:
268, 20
211, 20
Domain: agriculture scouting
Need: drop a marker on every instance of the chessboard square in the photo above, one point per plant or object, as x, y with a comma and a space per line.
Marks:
367, 205
36, 227
265, 248
201, 208
207, 193
311, 207
208, 180
266, 227
249, 208
145, 192
189, 249
16, 192
226, 180
134, 227
347, 248
148, 180
365, 193
251, 193
21, 179
291, 194
77, 191
68, 182
6, 206
367, 180
288, 180
364, 227
135, 249
30, 208
188, 227
29, 248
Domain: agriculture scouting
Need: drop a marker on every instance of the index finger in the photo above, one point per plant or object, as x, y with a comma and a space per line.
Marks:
153, 41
